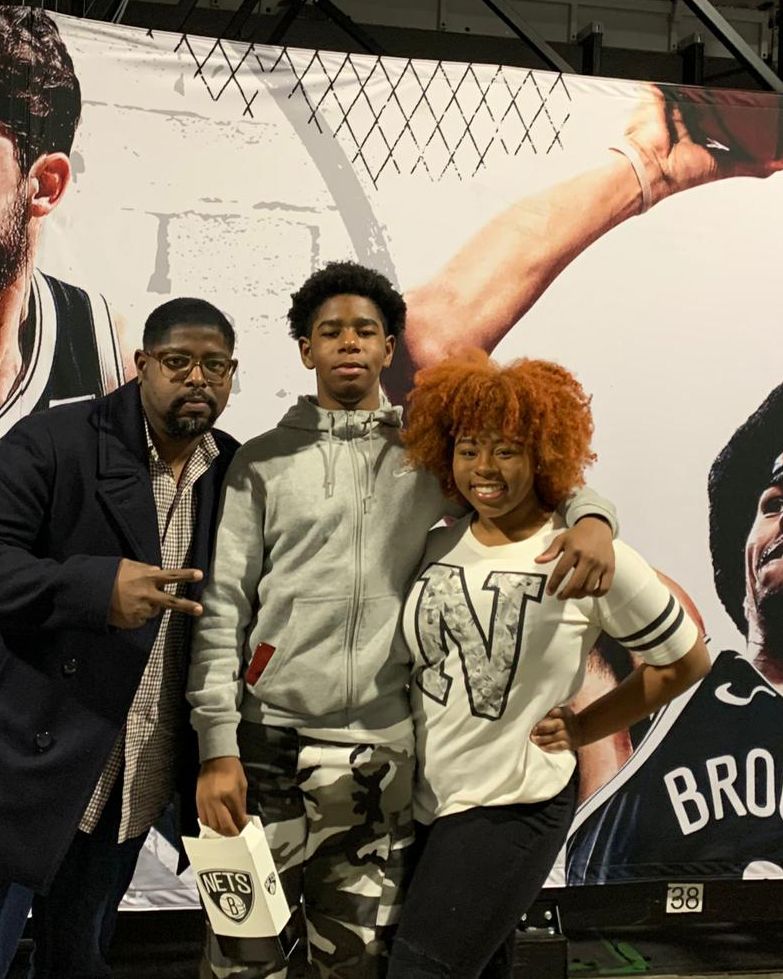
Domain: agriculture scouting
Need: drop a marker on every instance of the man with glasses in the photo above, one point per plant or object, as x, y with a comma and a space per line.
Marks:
107, 511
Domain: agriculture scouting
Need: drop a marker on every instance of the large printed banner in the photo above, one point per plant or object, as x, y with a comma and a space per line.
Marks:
630, 232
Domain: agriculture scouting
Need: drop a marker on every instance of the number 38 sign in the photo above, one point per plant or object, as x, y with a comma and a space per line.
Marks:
684, 898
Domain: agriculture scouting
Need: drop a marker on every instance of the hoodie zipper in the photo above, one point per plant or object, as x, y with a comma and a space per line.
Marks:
353, 618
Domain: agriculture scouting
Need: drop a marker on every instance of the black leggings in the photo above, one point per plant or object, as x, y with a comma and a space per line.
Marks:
477, 873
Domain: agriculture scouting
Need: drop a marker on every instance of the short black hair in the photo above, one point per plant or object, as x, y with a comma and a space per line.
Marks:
345, 279
40, 97
185, 312
738, 477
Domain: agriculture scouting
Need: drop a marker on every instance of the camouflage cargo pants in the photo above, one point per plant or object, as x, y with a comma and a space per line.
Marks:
338, 820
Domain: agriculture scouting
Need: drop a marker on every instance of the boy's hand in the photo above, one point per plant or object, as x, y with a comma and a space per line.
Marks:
586, 551
221, 795
558, 731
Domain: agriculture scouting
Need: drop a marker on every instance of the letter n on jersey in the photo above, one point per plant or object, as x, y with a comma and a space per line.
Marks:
445, 618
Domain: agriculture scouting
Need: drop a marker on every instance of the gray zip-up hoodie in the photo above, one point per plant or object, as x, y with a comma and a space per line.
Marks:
322, 527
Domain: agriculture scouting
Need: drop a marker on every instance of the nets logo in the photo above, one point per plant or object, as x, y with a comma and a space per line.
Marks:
230, 891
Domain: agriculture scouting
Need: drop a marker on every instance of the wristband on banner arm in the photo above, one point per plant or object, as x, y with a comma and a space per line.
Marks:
634, 157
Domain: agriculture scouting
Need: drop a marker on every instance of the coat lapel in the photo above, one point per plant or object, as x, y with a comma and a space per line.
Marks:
207, 490
202, 531
124, 483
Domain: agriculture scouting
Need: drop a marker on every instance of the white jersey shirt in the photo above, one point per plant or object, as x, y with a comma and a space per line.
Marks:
493, 653
71, 350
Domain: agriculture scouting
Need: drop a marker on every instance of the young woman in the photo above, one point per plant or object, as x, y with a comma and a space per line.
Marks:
497, 659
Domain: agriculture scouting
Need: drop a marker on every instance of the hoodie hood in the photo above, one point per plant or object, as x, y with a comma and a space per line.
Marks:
340, 424
361, 428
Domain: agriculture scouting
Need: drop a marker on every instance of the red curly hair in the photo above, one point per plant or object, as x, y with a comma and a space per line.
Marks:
533, 402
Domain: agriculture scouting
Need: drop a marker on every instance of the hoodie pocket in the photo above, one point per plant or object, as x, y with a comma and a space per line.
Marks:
381, 665
307, 674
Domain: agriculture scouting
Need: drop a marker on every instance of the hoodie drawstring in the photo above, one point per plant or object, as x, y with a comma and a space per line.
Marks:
331, 460
368, 456
369, 463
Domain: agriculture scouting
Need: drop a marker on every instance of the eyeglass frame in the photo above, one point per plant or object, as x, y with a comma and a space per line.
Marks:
185, 372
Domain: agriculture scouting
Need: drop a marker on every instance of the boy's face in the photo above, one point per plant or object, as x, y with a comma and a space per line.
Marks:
347, 348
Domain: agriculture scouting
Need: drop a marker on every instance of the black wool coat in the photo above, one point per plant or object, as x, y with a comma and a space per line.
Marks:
75, 498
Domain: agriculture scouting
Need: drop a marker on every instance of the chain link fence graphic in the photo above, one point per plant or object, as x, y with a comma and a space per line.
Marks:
397, 115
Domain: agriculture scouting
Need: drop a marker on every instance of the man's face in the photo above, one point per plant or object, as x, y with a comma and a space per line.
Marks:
13, 215
179, 402
764, 560
348, 349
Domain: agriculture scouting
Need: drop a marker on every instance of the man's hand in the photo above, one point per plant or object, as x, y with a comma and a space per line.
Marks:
677, 158
586, 551
558, 731
138, 594
221, 796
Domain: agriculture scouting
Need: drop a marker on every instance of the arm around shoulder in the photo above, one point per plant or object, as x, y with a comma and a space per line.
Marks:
586, 502
585, 549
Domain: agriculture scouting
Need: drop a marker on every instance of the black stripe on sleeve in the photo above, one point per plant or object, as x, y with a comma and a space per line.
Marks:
635, 636
660, 640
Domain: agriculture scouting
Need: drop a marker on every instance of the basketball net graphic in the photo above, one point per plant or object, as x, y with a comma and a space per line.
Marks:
397, 115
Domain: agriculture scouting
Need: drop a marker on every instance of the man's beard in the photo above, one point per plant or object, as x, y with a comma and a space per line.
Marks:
13, 239
184, 427
769, 615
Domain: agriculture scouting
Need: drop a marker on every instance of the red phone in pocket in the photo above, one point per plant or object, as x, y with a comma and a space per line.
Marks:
258, 663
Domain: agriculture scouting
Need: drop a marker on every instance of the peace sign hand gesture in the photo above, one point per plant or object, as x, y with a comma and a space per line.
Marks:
139, 593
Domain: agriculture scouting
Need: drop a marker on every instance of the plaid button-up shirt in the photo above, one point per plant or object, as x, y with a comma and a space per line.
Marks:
149, 742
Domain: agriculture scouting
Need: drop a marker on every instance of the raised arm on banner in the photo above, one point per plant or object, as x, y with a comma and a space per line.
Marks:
497, 276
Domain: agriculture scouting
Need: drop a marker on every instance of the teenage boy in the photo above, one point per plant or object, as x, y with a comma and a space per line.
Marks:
295, 669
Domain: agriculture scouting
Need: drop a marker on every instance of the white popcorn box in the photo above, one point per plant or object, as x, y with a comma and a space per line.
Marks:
238, 882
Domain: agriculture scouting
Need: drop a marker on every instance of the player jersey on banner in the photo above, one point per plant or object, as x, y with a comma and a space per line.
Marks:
70, 349
494, 653
702, 796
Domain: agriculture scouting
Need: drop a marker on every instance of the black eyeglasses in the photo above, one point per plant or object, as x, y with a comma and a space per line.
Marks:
178, 366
